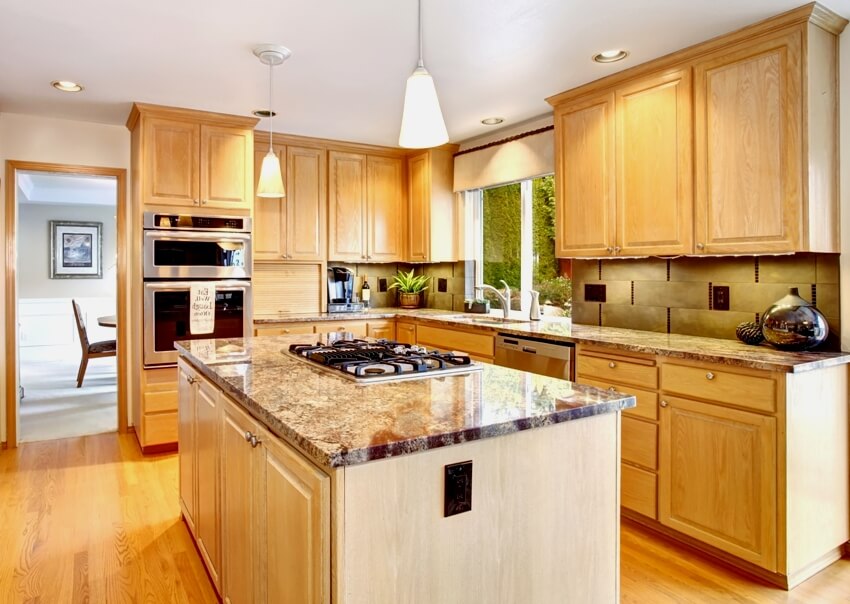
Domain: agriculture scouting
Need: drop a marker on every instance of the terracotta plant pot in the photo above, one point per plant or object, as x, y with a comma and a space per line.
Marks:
409, 300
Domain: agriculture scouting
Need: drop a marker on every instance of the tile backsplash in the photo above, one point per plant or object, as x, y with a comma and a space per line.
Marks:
451, 282
675, 295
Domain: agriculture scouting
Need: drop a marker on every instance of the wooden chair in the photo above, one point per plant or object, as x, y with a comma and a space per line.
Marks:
106, 348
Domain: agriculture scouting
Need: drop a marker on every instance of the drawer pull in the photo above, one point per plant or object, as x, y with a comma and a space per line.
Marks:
612, 389
612, 364
664, 403
709, 376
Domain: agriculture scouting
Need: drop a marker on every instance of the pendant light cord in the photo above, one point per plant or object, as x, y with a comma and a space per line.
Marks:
421, 61
271, 111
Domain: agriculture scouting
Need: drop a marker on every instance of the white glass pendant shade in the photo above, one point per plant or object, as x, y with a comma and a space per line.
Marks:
271, 181
422, 124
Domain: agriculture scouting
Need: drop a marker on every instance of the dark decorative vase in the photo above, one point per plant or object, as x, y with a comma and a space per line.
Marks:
793, 323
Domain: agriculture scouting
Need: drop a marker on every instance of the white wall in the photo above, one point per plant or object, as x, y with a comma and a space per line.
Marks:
34, 251
40, 139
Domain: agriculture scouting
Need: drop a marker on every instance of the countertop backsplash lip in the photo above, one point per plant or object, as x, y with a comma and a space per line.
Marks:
677, 346
311, 408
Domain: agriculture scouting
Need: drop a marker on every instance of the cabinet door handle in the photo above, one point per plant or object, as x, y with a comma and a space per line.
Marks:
709, 376
664, 403
617, 249
190, 379
204, 202
196, 202
612, 364
609, 249
248, 436
254, 441
700, 246
612, 389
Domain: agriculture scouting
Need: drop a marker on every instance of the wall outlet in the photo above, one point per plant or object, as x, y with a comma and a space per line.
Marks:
442, 285
594, 292
458, 488
382, 285
720, 297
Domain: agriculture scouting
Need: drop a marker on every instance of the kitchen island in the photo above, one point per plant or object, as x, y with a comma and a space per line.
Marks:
299, 485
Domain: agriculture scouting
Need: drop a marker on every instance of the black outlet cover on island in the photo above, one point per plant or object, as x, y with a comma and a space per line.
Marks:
594, 292
458, 488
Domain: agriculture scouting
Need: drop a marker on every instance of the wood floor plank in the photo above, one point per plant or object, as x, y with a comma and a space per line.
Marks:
90, 520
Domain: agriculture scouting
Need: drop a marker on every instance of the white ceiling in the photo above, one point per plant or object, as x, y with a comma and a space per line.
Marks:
350, 59
66, 189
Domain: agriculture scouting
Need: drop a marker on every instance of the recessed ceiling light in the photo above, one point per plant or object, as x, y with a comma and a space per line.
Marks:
264, 113
66, 86
492, 121
611, 56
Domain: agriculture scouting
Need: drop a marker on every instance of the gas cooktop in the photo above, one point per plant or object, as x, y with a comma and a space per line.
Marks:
383, 360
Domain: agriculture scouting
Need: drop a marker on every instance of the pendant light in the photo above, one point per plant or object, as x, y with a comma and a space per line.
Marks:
422, 124
271, 180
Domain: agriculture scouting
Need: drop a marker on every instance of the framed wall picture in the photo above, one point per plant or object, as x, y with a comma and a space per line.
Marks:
75, 249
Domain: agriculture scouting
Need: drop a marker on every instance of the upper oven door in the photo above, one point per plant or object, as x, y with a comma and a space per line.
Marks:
196, 255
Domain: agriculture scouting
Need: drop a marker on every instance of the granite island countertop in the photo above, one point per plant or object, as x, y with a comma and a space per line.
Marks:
338, 422
696, 348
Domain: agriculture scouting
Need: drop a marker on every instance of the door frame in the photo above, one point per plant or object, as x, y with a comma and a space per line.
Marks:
11, 322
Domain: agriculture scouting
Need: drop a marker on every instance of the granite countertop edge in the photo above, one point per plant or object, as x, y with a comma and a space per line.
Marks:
752, 357
346, 457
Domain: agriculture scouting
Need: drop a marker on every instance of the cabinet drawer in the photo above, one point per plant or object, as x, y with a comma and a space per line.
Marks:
640, 443
282, 330
159, 428
639, 490
450, 339
718, 385
356, 328
647, 402
618, 370
158, 402
381, 329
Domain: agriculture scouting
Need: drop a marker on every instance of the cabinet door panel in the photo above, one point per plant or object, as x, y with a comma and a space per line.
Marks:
171, 158
269, 226
186, 442
654, 192
386, 209
718, 478
748, 148
238, 513
227, 159
347, 206
306, 202
406, 333
584, 147
296, 527
208, 431
419, 243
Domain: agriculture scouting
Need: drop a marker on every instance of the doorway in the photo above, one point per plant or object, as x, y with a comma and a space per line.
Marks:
65, 273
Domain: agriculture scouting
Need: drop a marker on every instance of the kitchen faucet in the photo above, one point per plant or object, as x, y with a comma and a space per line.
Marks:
505, 298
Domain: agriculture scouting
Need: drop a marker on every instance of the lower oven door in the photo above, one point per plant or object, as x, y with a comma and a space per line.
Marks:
166, 317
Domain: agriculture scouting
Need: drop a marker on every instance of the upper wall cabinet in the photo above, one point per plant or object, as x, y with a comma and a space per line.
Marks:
192, 158
366, 207
752, 116
431, 219
624, 170
292, 227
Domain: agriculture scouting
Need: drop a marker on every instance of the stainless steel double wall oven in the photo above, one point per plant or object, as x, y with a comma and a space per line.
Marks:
179, 250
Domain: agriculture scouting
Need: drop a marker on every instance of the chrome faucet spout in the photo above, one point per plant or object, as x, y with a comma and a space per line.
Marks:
504, 298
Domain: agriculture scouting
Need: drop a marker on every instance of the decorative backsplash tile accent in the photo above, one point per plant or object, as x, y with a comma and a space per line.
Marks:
675, 295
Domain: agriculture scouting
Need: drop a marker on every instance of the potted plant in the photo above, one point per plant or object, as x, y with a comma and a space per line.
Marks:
410, 288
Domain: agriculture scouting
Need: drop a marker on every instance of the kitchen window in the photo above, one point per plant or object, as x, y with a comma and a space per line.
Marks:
512, 236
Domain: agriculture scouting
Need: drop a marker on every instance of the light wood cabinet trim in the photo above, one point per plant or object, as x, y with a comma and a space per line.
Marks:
186, 426
479, 344
756, 390
639, 490
729, 498
654, 166
610, 369
207, 475
147, 110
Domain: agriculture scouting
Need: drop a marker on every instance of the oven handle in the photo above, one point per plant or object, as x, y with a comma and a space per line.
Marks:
165, 286
190, 236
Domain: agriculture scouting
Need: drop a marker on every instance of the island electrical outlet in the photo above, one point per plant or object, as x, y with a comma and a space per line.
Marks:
458, 488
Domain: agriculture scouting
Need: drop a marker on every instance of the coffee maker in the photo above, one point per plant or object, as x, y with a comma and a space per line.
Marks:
341, 291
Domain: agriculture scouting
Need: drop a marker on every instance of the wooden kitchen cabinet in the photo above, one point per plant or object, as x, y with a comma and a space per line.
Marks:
763, 148
366, 207
193, 158
432, 218
186, 454
284, 330
718, 478
381, 329
405, 332
292, 227
624, 170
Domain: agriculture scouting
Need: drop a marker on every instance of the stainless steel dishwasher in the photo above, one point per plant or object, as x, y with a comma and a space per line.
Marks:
536, 355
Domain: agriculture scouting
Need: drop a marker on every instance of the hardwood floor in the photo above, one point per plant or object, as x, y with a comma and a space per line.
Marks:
89, 519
